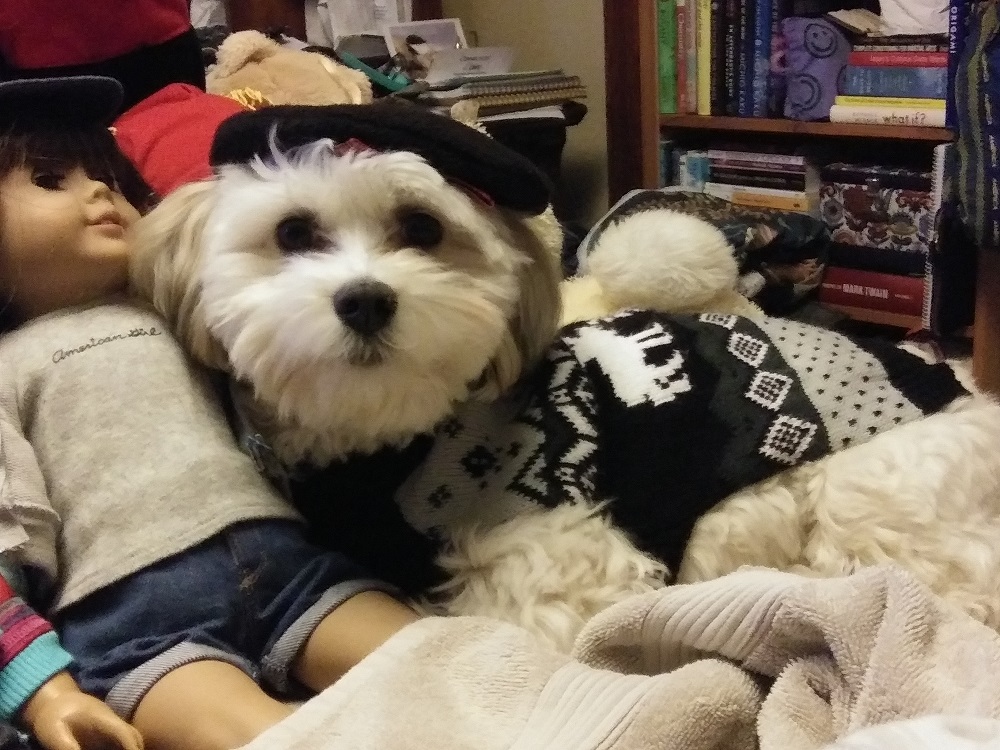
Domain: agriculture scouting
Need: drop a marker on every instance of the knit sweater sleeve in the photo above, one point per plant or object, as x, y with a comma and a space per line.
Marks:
30, 654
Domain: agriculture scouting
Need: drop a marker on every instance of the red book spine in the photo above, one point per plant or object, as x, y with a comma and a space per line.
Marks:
873, 291
902, 59
683, 106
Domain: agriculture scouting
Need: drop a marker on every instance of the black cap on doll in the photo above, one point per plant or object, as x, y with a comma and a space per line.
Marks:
74, 102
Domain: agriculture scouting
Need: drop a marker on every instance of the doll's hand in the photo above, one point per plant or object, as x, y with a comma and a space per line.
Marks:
63, 717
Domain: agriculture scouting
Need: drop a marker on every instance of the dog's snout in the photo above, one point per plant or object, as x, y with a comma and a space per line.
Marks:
365, 306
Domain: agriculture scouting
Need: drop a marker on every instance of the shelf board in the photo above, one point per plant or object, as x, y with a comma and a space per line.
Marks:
798, 127
879, 317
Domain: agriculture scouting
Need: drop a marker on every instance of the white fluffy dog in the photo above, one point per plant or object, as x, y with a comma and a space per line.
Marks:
363, 297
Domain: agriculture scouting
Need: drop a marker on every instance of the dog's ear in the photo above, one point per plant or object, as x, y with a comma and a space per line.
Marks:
539, 307
165, 266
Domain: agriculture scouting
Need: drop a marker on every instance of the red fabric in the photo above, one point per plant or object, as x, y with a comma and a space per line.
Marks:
55, 33
168, 135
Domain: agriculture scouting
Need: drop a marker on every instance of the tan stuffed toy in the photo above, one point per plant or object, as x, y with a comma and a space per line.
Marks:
656, 260
256, 70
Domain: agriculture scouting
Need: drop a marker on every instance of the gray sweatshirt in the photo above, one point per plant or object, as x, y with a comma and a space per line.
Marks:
114, 451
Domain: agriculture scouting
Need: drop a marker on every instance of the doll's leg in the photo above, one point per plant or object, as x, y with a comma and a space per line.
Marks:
347, 635
205, 705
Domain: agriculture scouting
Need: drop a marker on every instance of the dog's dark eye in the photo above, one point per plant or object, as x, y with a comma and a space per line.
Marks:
296, 233
420, 229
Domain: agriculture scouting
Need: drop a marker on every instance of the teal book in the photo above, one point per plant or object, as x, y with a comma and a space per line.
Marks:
666, 54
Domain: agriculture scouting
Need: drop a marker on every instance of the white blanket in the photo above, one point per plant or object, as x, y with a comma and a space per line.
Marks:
757, 658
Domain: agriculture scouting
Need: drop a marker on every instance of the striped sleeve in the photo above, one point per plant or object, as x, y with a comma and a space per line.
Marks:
30, 654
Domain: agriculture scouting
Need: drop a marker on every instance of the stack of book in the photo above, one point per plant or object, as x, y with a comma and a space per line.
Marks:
891, 80
715, 56
786, 182
505, 93
883, 223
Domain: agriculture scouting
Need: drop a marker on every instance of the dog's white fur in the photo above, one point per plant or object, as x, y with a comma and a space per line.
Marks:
473, 313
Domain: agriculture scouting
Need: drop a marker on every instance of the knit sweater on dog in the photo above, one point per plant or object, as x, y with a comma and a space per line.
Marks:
662, 416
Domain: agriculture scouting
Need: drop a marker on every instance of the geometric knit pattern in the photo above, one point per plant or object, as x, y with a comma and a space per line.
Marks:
661, 416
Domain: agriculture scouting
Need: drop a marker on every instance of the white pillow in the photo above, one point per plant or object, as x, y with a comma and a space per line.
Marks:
915, 16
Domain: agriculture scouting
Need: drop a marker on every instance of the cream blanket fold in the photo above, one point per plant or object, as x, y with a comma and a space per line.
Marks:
468, 683
844, 653
683, 668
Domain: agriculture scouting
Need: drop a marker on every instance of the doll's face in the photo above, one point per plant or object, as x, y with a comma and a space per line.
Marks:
62, 239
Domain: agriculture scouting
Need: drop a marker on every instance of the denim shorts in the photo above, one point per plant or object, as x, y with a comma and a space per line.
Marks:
250, 596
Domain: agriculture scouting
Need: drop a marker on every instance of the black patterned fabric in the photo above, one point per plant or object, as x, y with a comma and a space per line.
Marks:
662, 416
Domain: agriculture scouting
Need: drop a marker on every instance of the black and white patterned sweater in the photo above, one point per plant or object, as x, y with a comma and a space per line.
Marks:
661, 415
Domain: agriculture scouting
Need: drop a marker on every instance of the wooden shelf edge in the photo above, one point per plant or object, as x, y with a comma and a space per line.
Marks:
798, 127
879, 317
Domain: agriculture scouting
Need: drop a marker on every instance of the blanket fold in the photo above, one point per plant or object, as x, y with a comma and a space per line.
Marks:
755, 659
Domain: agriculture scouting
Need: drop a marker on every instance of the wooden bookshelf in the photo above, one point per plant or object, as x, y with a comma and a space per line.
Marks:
879, 317
796, 127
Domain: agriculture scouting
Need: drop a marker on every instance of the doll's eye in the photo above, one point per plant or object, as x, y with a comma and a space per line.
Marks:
296, 234
48, 179
420, 229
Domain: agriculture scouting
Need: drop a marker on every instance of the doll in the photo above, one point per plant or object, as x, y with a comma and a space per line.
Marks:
177, 578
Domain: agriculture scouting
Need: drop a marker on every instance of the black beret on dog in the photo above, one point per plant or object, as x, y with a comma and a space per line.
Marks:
457, 151
75, 102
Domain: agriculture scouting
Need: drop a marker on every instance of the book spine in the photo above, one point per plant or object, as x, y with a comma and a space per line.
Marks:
899, 59
897, 47
760, 197
890, 101
719, 51
666, 55
871, 290
691, 48
753, 178
730, 22
681, 54
666, 162
746, 57
761, 57
923, 83
958, 13
776, 77
754, 157
704, 21
889, 116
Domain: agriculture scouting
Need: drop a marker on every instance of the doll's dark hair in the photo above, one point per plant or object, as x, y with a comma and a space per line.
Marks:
95, 150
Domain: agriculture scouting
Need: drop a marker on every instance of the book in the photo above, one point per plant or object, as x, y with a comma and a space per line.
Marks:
681, 55
888, 115
744, 71
777, 179
761, 68
899, 47
958, 13
500, 85
871, 290
730, 84
691, 53
666, 153
868, 80
704, 31
890, 101
734, 155
777, 81
666, 55
761, 197
717, 71
492, 104
898, 59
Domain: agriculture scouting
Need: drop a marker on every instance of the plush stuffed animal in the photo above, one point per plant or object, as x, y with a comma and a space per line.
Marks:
661, 260
249, 63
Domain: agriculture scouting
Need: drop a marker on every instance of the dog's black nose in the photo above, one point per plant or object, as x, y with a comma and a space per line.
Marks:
365, 306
